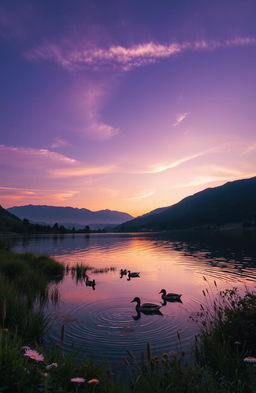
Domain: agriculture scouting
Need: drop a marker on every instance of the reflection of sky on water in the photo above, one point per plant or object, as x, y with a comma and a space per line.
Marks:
100, 322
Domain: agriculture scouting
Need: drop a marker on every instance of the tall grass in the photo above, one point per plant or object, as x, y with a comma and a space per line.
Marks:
227, 337
24, 285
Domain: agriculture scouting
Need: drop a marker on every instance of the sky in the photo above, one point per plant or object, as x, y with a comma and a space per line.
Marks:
124, 104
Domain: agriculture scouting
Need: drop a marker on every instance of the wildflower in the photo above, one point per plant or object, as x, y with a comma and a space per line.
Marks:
250, 359
32, 354
26, 347
93, 380
237, 343
51, 366
77, 380
45, 374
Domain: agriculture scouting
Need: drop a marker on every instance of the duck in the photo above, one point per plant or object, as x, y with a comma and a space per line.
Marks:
146, 307
133, 274
170, 296
123, 272
90, 283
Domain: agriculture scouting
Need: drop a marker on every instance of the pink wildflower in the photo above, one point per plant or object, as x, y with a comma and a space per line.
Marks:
32, 354
26, 347
250, 359
77, 380
94, 380
51, 366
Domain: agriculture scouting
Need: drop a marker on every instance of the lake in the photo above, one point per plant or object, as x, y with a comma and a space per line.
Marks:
102, 323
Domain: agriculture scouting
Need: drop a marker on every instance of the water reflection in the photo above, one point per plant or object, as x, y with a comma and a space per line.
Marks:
102, 323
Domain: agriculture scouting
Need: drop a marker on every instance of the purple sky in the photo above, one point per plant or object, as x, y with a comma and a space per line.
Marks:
126, 105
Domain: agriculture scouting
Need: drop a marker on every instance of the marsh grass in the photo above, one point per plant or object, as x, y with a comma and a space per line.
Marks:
227, 336
24, 288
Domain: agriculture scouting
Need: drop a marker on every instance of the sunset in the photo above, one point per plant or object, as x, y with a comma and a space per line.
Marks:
125, 105
127, 196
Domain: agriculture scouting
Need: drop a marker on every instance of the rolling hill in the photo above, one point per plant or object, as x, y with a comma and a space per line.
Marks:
232, 202
9, 222
69, 216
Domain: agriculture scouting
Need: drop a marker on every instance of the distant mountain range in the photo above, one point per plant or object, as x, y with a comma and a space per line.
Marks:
69, 216
233, 202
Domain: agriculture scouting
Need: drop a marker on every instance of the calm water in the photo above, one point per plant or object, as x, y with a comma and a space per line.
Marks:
99, 323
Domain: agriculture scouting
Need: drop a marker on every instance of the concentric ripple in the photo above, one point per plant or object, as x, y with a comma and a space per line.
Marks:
107, 329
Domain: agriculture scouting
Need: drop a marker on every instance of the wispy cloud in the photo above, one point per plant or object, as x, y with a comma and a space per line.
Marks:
158, 168
180, 117
227, 171
45, 163
81, 171
90, 105
201, 180
72, 57
22, 195
9, 152
143, 195
58, 142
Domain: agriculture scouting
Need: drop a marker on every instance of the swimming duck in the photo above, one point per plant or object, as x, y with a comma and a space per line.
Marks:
170, 296
90, 283
133, 274
145, 307
123, 272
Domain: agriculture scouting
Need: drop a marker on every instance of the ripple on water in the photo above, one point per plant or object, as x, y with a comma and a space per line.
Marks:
106, 329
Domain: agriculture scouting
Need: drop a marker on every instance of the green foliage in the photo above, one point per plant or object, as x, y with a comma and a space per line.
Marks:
227, 336
24, 281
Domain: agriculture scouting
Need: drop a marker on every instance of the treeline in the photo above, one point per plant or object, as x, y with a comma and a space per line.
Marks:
9, 223
29, 227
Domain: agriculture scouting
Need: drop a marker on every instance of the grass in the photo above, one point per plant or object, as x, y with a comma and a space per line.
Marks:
24, 282
227, 337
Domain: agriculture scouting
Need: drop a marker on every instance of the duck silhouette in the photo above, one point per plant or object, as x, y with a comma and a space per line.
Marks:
132, 275
90, 283
170, 297
145, 308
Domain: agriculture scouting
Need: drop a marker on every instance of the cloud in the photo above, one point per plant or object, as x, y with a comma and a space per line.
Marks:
164, 166
81, 171
228, 171
22, 154
72, 58
28, 162
143, 195
58, 142
90, 105
40, 176
201, 180
180, 117
22, 195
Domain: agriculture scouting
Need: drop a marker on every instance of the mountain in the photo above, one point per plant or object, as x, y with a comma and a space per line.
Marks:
69, 216
9, 222
232, 202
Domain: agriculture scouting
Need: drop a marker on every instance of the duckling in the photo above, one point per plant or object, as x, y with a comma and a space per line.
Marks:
146, 307
133, 274
170, 296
